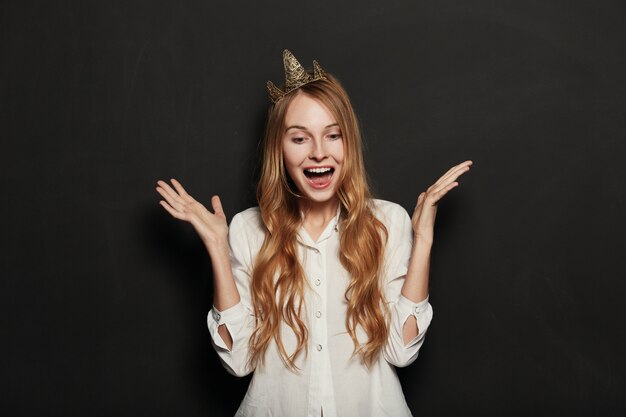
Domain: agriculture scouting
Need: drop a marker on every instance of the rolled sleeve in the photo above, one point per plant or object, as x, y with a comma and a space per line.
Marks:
238, 319
234, 318
396, 351
239, 322
422, 311
399, 244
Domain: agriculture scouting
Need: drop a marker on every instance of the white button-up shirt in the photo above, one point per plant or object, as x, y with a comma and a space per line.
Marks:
330, 378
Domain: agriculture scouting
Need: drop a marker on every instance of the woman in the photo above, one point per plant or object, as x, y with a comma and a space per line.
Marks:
320, 290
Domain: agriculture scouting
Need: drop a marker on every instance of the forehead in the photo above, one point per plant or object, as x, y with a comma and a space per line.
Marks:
307, 111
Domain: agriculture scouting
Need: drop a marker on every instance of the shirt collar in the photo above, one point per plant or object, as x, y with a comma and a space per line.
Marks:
331, 227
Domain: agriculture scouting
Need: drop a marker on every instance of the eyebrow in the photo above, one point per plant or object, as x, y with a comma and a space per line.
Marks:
304, 128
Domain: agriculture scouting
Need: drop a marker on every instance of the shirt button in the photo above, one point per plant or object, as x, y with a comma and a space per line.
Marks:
319, 347
217, 316
316, 250
318, 282
417, 310
318, 314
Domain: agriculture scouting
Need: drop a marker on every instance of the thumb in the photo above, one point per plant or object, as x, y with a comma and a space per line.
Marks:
217, 206
420, 199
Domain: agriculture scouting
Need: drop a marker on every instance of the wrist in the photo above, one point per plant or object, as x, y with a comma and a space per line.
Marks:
421, 240
217, 246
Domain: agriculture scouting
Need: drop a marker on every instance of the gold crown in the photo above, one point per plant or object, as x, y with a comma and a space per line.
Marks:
295, 76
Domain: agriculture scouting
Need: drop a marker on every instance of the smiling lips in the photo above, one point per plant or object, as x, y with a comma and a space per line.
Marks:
319, 177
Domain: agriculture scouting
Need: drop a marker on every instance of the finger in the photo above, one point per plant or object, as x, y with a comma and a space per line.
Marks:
183, 193
174, 202
179, 188
443, 191
217, 206
453, 173
443, 184
454, 176
173, 194
175, 213
460, 170
462, 164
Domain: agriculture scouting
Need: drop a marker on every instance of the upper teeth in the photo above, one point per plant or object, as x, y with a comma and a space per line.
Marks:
318, 170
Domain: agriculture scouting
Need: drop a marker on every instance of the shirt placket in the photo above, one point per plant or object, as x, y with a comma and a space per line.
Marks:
319, 335
321, 391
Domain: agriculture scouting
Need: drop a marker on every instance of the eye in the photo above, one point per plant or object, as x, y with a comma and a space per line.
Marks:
334, 136
298, 139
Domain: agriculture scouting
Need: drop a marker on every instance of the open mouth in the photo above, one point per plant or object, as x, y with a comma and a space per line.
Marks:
319, 177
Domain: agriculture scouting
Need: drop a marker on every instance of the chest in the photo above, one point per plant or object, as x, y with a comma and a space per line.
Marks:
327, 282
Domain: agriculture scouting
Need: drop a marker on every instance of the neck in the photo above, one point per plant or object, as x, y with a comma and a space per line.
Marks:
319, 213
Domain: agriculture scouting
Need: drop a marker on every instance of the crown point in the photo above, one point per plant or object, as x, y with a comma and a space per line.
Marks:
275, 92
295, 76
318, 72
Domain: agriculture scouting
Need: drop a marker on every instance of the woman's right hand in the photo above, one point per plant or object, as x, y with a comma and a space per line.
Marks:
211, 227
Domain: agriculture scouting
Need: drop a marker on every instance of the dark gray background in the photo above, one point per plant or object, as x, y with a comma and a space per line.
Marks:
104, 296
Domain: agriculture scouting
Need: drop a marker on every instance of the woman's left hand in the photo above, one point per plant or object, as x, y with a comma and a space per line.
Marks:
423, 218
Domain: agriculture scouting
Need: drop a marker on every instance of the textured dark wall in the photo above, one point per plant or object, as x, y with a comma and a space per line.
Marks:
104, 296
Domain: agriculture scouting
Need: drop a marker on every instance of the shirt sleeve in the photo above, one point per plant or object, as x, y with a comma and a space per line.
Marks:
238, 319
398, 253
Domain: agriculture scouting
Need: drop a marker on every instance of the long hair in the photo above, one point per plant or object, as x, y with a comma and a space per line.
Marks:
278, 280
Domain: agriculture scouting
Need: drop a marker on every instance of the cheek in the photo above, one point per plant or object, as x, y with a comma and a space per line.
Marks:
287, 154
292, 160
338, 151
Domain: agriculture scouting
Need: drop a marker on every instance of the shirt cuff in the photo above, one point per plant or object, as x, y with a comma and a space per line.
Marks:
422, 311
230, 317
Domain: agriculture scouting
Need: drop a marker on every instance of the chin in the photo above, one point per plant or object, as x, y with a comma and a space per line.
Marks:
320, 198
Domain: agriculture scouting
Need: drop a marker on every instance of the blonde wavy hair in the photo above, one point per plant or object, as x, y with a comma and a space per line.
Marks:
278, 279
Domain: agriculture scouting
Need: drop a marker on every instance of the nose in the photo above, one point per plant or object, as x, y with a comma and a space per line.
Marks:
318, 150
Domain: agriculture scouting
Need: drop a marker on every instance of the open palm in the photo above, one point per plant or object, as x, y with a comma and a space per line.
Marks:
211, 227
423, 218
